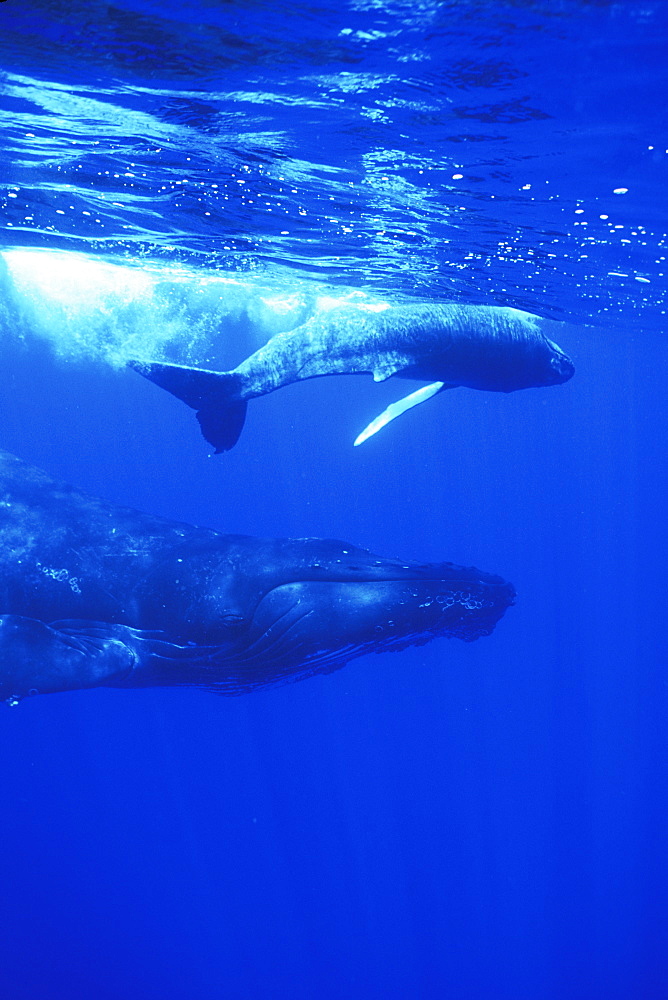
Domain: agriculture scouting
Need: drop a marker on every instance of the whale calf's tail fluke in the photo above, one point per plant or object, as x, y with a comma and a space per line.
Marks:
214, 395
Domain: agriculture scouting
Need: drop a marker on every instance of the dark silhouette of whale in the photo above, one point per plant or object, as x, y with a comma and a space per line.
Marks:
97, 595
448, 345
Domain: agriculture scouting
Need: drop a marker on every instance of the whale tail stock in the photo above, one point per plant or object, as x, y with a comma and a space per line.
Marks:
214, 395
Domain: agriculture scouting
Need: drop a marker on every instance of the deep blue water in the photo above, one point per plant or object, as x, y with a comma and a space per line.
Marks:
481, 822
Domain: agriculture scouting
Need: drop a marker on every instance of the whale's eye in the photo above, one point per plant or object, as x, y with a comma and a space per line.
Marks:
230, 619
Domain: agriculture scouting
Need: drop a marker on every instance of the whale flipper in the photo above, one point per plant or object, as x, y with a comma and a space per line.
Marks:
396, 409
214, 395
88, 654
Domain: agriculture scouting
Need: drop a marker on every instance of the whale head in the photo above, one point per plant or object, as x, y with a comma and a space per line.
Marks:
559, 367
283, 609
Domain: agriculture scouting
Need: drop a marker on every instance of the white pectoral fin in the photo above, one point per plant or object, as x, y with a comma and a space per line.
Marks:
396, 409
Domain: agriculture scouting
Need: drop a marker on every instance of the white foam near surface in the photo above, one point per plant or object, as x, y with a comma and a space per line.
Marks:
87, 306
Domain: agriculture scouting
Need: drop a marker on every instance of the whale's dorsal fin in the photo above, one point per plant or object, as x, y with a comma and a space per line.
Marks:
382, 370
396, 409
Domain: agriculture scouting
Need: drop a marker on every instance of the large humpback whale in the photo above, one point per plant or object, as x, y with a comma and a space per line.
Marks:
97, 595
447, 345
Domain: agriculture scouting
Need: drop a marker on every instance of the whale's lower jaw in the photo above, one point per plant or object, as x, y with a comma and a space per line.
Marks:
221, 672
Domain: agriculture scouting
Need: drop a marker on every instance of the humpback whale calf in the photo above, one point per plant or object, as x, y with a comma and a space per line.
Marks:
447, 345
92, 595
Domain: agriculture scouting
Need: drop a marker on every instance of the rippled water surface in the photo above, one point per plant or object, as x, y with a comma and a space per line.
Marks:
498, 152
